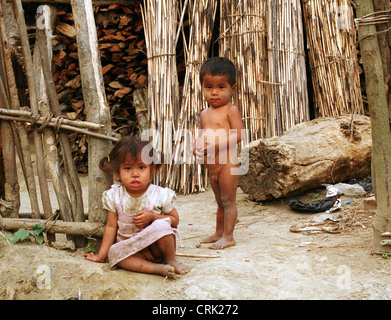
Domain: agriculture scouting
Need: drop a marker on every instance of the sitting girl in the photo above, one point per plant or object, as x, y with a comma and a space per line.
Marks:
142, 216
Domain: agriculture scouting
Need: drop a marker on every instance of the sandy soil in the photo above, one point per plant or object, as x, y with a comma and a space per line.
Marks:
268, 262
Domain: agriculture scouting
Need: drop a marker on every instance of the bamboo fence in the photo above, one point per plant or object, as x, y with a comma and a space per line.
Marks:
288, 99
160, 22
187, 176
243, 40
331, 39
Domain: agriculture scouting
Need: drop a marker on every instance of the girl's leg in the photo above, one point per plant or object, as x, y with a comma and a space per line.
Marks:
138, 263
166, 246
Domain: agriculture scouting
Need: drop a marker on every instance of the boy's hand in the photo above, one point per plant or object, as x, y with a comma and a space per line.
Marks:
200, 153
210, 151
143, 218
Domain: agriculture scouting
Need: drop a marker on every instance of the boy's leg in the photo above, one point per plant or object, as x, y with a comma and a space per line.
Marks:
228, 185
220, 212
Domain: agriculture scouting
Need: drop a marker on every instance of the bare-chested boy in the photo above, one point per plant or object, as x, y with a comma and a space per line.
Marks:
216, 146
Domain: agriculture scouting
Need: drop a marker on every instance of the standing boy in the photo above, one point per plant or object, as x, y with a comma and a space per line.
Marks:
221, 126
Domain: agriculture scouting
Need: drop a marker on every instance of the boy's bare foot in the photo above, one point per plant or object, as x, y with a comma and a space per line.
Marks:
180, 268
213, 238
222, 243
167, 271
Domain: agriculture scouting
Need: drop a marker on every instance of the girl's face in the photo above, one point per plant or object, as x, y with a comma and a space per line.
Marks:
217, 90
135, 175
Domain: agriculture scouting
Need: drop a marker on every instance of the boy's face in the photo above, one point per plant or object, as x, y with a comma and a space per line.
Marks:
217, 90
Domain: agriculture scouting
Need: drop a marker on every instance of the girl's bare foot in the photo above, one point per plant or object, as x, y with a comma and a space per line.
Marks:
180, 268
223, 242
167, 271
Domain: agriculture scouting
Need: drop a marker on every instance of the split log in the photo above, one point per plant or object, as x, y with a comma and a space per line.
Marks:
69, 228
321, 151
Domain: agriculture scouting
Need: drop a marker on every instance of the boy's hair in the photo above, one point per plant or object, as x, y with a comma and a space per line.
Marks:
129, 145
219, 66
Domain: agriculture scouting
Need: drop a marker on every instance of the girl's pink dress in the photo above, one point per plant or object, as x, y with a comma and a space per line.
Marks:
130, 238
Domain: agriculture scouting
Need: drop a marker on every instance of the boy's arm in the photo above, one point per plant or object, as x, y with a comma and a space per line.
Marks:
200, 129
236, 126
235, 120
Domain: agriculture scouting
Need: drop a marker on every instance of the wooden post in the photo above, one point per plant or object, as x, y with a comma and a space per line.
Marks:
11, 186
15, 104
381, 135
28, 63
48, 135
95, 104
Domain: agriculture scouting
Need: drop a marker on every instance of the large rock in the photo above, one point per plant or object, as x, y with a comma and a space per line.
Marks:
321, 151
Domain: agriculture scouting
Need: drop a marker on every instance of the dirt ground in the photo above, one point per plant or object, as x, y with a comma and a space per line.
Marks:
268, 262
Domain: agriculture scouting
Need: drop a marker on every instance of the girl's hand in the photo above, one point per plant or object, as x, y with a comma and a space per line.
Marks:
93, 257
143, 218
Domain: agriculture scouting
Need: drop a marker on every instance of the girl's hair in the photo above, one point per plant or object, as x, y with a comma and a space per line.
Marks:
219, 66
133, 146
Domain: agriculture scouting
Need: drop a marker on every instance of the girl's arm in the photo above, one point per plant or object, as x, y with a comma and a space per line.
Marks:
145, 217
107, 241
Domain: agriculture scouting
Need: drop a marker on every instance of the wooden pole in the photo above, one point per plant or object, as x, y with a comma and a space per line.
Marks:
381, 135
56, 125
69, 228
15, 104
28, 63
95, 104
53, 121
11, 185
48, 134
74, 186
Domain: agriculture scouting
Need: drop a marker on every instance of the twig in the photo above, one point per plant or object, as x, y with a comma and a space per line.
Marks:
196, 255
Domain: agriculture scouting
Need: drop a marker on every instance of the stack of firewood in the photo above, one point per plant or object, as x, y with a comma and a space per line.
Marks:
124, 67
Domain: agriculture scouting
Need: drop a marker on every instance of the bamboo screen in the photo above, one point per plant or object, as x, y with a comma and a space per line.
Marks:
335, 71
265, 40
